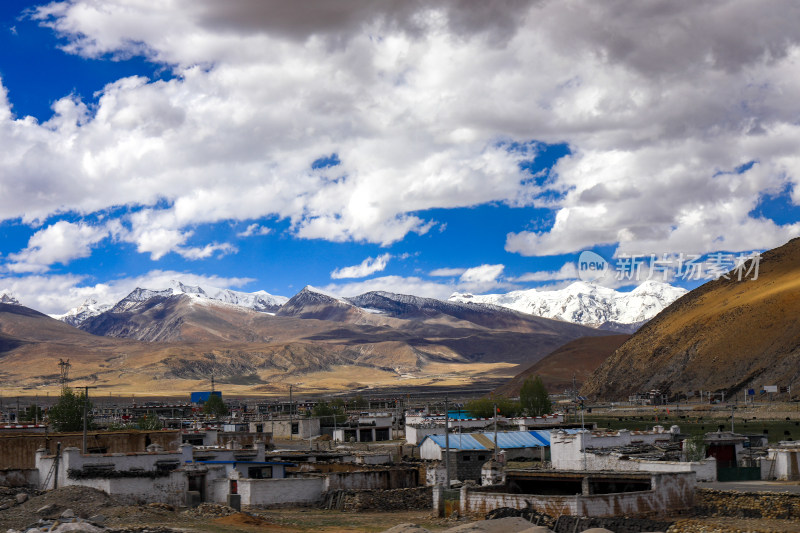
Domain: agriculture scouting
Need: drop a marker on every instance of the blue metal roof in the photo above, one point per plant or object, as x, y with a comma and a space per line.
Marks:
505, 439
515, 439
464, 441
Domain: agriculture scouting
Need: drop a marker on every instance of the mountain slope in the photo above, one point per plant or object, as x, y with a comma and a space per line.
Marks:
409, 307
314, 303
260, 301
724, 335
578, 359
587, 304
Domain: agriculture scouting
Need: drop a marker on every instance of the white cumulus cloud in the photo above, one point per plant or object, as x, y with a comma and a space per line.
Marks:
427, 106
367, 267
61, 242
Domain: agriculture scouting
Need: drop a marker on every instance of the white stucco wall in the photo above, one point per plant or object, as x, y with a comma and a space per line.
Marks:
268, 492
415, 433
71, 458
787, 463
566, 454
307, 427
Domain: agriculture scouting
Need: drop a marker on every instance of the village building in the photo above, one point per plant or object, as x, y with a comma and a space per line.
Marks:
469, 451
626, 451
578, 493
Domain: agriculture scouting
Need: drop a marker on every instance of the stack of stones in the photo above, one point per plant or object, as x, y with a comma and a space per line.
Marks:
729, 503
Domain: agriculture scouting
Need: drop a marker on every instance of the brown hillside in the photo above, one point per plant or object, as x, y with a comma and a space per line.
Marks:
724, 335
578, 358
174, 345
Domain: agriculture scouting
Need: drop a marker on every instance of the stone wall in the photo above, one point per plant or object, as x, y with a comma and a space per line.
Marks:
384, 500
737, 504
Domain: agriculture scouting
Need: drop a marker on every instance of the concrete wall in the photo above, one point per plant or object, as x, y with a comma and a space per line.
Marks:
168, 488
272, 492
670, 493
72, 459
385, 479
307, 427
19, 451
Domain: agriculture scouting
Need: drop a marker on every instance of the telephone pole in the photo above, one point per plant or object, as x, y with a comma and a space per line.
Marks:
446, 444
85, 409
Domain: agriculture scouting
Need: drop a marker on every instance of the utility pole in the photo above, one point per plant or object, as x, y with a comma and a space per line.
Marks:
495, 432
446, 444
85, 408
291, 410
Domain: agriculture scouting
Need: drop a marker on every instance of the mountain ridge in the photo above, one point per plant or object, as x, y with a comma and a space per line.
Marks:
587, 304
726, 335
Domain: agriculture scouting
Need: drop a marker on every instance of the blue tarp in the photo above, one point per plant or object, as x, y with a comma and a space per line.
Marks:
202, 397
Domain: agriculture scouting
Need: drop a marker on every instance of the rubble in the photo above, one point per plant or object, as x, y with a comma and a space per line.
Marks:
731, 503
210, 511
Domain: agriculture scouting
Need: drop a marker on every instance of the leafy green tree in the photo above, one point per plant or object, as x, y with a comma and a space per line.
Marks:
149, 422
215, 407
533, 397
67, 413
359, 402
328, 412
484, 407
32, 414
695, 448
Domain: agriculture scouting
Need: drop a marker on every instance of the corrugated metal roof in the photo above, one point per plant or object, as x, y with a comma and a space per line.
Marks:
544, 434
465, 441
484, 440
514, 439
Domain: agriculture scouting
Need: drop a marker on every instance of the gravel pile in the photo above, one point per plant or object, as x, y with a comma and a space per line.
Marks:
210, 511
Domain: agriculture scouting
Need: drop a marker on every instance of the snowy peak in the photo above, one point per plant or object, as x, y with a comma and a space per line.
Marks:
77, 315
586, 303
260, 301
6, 297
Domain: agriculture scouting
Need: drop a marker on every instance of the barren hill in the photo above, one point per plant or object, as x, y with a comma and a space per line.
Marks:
172, 343
725, 335
578, 358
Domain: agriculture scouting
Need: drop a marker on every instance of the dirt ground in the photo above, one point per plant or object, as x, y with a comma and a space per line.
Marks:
88, 503
211, 518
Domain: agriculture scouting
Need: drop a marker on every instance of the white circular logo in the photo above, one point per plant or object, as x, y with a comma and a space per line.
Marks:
591, 266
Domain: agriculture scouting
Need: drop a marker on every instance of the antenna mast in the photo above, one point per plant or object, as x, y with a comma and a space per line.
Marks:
64, 372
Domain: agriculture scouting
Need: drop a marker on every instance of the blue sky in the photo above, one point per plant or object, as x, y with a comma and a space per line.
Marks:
425, 150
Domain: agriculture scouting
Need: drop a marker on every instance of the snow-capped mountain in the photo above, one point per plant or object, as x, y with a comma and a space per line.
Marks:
77, 315
6, 297
261, 301
586, 303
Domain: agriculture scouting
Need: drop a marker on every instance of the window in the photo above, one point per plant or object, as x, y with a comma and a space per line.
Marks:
295, 428
259, 428
481, 458
466, 458
259, 472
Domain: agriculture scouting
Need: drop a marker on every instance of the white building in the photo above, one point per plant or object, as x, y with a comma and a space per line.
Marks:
288, 428
600, 451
